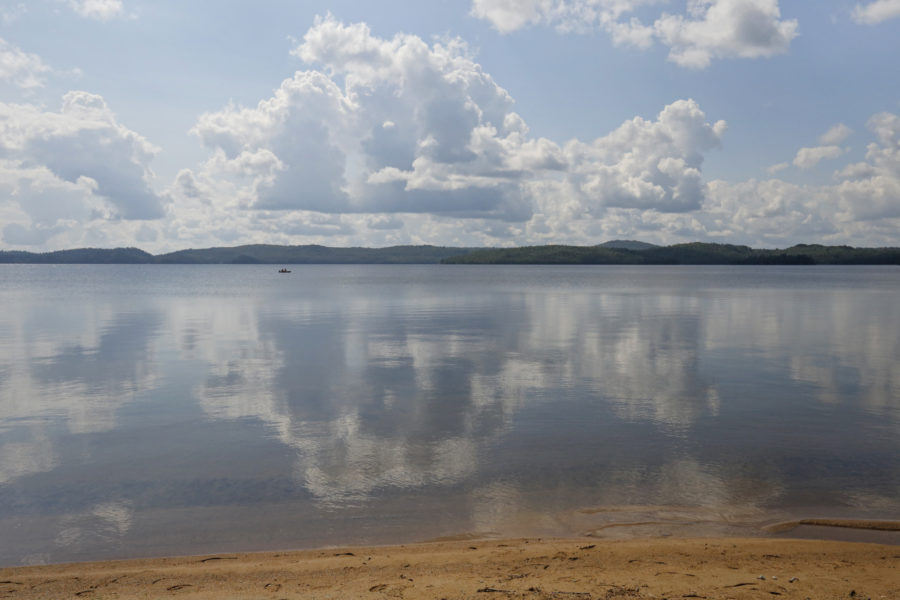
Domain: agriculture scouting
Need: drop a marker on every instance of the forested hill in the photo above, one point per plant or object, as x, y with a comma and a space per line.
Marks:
626, 252
80, 256
681, 254
251, 254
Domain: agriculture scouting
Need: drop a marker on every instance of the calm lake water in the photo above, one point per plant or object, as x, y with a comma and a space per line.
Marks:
151, 410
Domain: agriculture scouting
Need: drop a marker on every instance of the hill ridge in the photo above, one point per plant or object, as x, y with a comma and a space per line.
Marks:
628, 252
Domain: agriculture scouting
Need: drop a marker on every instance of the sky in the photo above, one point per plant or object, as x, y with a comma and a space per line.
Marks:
169, 124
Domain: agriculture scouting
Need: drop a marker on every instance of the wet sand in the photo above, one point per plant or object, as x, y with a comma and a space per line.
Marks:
491, 570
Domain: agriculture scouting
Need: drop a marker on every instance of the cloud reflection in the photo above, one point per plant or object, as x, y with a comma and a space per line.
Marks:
72, 374
393, 400
405, 388
843, 342
365, 402
103, 523
506, 398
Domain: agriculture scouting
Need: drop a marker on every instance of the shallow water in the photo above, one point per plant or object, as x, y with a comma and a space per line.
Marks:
150, 410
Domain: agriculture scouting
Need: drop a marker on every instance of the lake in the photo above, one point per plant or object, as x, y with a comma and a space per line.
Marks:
154, 410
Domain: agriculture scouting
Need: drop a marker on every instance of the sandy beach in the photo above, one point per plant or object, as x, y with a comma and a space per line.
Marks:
492, 569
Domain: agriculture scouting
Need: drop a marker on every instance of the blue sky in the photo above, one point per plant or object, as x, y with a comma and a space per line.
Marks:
168, 125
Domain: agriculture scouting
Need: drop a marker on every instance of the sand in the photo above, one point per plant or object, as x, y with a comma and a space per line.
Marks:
580, 568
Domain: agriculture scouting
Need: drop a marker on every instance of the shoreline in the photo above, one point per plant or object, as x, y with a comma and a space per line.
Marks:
598, 524
491, 569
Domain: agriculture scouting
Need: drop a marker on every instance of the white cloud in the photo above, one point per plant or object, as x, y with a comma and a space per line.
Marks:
648, 164
413, 128
69, 167
566, 15
807, 158
767, 212
709, 29
400, 126
886, 127
382, 141
871, 190
862, 209
778, 168
828, 149
102, 10
725, 29
837, 134
20, 68
508, 15
288, 147
877, 11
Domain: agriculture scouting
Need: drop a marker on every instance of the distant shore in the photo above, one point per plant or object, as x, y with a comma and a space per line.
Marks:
579, 568
615, 252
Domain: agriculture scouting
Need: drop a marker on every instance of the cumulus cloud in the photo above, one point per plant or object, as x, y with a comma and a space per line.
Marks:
725, 29
72, 166
566, 15
837, 134
101, 10
876, 12
382, 141
862, 208
709, 29
871, 189
648, 164
22, 69
807, 158
776, 168
508, 15
388, 126
412, 128
828, 149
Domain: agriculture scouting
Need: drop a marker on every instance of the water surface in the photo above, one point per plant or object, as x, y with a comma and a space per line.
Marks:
151, 410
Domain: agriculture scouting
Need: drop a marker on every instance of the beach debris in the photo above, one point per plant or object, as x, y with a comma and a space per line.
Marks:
345, 554
762, 577
537, 590
793, 579
378, 588
211, 558
490, 590
774, 578
589, 547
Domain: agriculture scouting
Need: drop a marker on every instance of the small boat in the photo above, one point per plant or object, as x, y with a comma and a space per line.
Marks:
283, 271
